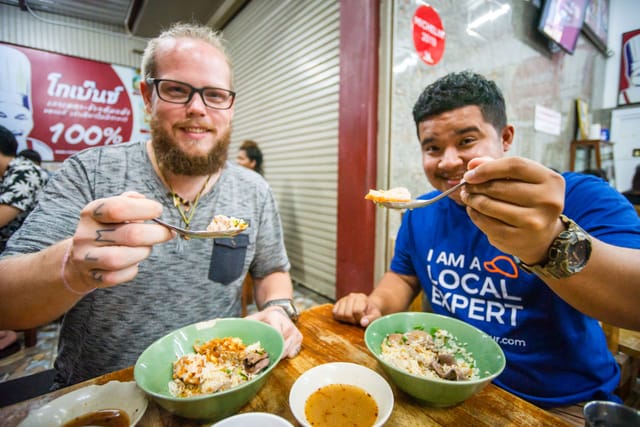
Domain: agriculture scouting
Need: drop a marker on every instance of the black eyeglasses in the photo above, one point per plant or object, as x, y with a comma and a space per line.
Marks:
177, 92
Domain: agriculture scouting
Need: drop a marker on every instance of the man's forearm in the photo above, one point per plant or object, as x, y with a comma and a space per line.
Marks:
273, 286
608, 289
394, 292
31, 290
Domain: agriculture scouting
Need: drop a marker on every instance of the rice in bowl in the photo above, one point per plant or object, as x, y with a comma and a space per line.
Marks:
434, 355
217, 365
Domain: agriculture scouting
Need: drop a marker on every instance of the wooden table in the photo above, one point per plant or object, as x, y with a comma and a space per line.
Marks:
327, 340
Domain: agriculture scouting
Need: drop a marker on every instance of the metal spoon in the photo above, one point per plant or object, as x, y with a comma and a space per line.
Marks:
412, 204
199, 234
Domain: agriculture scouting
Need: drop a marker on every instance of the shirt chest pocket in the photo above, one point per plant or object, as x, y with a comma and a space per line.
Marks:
227, 259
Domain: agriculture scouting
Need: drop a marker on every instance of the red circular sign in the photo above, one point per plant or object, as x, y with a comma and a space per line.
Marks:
428, 34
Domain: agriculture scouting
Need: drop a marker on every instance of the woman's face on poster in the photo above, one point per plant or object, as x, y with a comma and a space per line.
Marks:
17, 119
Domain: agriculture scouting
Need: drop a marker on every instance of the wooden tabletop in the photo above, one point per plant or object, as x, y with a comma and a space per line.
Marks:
326, 340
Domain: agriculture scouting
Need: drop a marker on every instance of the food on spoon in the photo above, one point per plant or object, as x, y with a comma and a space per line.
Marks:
226, 223
397, 194
217, 365
433, 355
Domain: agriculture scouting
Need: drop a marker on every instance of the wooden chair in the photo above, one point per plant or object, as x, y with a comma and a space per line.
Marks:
30, 337
418, 303
624, 344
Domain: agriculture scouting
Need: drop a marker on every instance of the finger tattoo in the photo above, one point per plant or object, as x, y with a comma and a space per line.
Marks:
100, 235
97, 212
97, 275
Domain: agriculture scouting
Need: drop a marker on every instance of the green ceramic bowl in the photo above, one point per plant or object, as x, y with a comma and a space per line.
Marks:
487, 353
153, 369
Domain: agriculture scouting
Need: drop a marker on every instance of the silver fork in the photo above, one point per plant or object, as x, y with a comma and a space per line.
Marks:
198, 234
412, 204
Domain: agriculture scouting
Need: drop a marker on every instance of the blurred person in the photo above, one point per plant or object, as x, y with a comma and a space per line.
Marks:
633, 194
34, 156
16, 105
600, 173
20, 183
525, 254
120, 281
250, 156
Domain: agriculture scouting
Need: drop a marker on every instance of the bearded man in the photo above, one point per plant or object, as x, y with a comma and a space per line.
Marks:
89, 251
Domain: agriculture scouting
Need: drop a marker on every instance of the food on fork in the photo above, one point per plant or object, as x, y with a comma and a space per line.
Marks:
397, 194
226, 223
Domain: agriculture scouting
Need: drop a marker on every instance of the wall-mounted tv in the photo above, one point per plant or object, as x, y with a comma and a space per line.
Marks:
561, 21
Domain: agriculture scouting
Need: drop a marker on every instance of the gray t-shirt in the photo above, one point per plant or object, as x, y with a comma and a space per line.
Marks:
109, 328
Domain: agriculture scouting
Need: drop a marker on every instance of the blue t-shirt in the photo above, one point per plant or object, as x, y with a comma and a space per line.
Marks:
555, 354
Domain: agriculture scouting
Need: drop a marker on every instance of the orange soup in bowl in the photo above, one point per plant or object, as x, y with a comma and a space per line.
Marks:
337, 405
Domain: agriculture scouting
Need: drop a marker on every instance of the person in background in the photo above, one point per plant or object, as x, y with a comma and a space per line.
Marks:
34, 156
250, 156
600, 173
20, 183
633, 194
521, 252
119, 279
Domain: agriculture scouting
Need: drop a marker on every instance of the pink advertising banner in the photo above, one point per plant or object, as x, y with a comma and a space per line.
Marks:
59, 105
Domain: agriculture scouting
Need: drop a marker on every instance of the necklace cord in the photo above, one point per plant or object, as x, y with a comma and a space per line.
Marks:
179, 202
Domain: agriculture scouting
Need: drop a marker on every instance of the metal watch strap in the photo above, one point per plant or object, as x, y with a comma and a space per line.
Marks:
557, 265
286, 304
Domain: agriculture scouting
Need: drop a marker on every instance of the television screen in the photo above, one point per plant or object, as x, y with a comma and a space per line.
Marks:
561, 21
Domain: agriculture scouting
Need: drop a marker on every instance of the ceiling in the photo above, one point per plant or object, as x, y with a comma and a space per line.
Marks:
142, 18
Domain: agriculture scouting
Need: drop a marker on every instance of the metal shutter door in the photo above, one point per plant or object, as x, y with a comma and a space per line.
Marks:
286, 63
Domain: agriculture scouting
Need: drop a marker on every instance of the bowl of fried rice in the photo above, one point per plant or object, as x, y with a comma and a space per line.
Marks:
209, 370
439, 360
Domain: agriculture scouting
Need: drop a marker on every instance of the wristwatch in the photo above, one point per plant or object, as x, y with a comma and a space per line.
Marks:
567, 255
286, 304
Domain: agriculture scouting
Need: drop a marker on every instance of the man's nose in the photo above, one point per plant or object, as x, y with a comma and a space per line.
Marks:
196, 103
450, 157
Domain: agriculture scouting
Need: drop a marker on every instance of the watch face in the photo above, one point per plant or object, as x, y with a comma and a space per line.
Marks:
578, 254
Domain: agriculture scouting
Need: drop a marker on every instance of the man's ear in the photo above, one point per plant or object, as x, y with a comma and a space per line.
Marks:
507, 137
146, 91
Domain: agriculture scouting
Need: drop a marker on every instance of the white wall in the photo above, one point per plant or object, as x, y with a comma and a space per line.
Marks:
70, 36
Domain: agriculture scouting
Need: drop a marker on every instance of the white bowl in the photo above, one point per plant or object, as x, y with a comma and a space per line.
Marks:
262, 419
112, 395
341, 373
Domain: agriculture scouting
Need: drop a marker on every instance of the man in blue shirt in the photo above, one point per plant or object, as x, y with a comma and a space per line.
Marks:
530, 256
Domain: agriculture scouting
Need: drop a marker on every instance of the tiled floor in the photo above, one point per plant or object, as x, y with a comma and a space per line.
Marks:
40, 357
31, 360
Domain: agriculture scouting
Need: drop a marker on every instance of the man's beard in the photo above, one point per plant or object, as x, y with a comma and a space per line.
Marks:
171, 158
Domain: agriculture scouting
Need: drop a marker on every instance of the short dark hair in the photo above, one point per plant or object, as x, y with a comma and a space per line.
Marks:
457, 90
8, 142
32, 155
600, 173
253, 153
